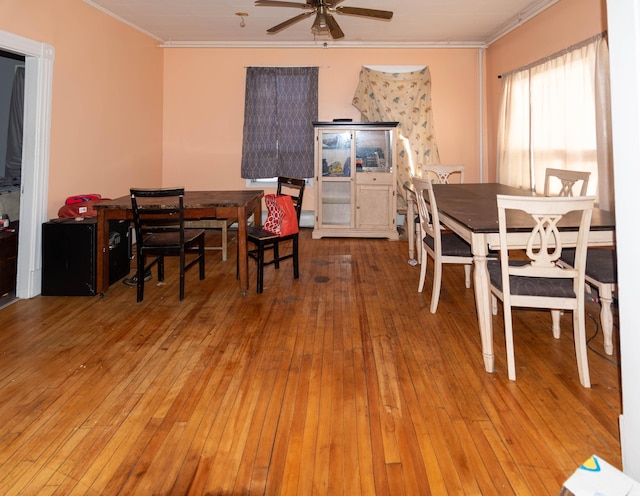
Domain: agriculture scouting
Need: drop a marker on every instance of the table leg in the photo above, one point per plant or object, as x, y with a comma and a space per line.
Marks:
410, 225
243, 259
482, 291
102, 253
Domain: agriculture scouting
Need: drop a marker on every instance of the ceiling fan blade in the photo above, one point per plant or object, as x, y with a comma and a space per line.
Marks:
334, 29
288, 22
276, 3
357, 11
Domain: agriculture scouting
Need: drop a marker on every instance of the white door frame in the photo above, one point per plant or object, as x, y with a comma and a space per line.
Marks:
35, 157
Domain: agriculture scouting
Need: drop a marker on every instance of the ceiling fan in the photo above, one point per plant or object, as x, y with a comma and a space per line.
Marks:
324, 22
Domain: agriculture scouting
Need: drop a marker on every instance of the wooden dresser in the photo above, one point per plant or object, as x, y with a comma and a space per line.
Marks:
8, 258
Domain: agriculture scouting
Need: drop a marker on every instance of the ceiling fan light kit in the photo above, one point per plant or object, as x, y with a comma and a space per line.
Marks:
242, 15
324, 22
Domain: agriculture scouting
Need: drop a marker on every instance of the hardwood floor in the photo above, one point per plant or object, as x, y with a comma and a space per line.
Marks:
340, 383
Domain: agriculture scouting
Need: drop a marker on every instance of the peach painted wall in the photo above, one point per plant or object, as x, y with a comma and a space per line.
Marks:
560, 26
106, 117
204, 104
128, 113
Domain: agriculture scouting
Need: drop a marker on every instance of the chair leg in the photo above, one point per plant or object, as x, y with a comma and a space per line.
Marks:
182, 261
276, 255
580, 342
419, 247
437, 283
467, 276
140, 277
238, 261
508, 338
201, 258
606, 317
423, 269
296, 272
260, 270
555, 323
160, 268
224, 241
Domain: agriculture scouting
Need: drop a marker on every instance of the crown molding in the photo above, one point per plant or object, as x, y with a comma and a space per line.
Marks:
321, 44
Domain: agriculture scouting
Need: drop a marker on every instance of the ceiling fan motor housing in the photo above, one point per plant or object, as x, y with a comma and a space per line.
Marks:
324, 22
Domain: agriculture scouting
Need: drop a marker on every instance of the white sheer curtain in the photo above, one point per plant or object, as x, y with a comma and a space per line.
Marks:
555, 113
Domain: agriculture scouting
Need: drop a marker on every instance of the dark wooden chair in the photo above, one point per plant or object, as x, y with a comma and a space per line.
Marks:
264, 241
158, 218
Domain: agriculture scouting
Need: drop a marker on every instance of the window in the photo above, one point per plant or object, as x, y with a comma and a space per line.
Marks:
281, 104
551, 116
272, 182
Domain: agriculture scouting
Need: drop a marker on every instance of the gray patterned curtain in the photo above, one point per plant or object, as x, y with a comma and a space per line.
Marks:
281, 104
13, 167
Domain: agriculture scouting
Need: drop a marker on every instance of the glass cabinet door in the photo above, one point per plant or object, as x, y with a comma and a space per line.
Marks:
373, 150
337, 186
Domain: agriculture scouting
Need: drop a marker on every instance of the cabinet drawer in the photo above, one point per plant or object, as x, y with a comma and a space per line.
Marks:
374, 178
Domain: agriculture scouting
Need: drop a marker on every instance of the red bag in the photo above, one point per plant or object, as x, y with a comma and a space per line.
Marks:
281, 215
273, 223
81, 198
289, 224
80, 209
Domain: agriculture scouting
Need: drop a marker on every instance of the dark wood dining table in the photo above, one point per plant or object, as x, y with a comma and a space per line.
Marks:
471, 211
238, 205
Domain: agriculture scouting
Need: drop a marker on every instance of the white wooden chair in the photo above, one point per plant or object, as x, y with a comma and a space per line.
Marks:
442, 247
601, 273
561, 182
441, 174
540, 281
566, 180
438, 174
222, 224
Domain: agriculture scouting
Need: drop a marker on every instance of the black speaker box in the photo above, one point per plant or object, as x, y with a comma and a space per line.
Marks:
69, 255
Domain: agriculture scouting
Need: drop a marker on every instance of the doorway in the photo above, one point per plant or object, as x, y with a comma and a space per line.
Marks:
11, 126
38, 61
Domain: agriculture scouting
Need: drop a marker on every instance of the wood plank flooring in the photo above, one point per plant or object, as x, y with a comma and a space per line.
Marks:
340, 383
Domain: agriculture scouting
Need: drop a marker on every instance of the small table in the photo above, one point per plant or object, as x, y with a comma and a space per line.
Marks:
471, 211
197, 205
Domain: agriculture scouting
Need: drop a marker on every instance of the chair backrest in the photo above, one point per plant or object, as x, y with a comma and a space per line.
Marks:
152, 215
294, 187
441, 173
544, 246
567, 180
428, 211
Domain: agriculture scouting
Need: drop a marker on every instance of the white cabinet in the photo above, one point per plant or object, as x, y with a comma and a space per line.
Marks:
355, 175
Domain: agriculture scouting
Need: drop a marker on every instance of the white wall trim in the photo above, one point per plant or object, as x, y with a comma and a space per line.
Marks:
624, 48
35, 157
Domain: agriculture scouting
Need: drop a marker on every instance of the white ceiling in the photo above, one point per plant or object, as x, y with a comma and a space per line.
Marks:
419, 22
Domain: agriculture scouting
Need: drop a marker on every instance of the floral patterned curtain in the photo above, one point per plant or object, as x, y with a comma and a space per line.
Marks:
403, 97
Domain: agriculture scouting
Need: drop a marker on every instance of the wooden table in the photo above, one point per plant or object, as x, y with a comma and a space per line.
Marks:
471, 211
198, 205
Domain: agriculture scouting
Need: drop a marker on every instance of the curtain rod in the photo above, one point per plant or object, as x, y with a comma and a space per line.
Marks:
286, 66
556, 55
